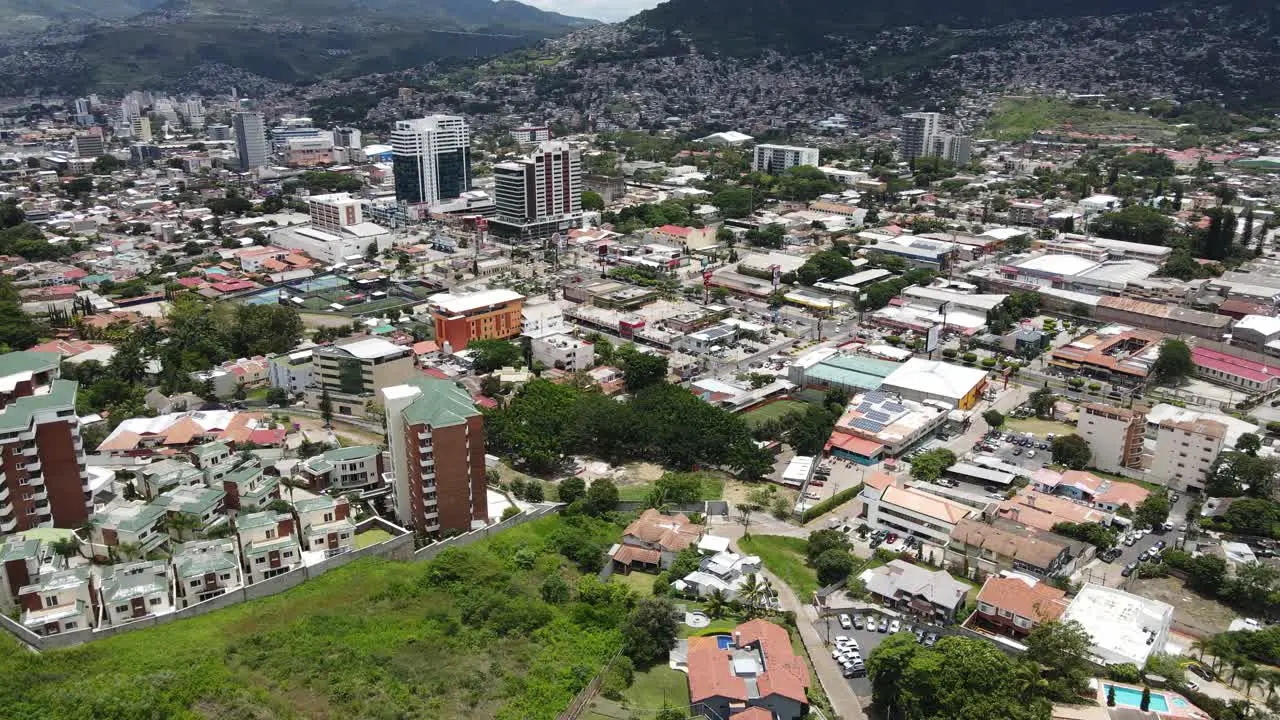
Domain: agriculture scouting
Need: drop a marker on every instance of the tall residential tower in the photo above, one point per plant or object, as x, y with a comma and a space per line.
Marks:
539, 195
251, 140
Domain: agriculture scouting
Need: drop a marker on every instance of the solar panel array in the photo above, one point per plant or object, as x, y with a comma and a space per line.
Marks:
868, 425
878, 416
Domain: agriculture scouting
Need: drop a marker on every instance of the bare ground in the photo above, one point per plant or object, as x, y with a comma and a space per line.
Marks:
1191, 612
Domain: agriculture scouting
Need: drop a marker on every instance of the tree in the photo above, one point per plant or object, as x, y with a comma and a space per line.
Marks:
827, 264
717, 604
1062, 652
326, 408
833, 566
554, 589
592, 201
107, 164
1042, 402
744, 511
66, 548
602, 497
640, 370
994, 418
490, 355
1248, 443
821, 541
650, 631
1174, 362
1135, 223
1153, 511
930, 465
572, 488
1111, 696
1145, 703
1072, 451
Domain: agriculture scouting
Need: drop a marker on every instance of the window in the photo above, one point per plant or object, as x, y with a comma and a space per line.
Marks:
51, 601
71, 625
259, 561
154, 601
328, 517
288, 553
320, 541
195, 583
225, 576
122, 608
344, 536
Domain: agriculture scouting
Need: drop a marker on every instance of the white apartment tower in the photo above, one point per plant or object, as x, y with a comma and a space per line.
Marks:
251, 140
431, 159
776, 159
918, 130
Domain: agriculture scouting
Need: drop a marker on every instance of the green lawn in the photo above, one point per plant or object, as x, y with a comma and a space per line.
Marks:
772, 411
466, 635
785, 558
650, 691
712, 489
1018, 118
373, 536
641, 583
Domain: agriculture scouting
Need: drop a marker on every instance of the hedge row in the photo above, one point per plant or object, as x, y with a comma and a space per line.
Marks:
831, 503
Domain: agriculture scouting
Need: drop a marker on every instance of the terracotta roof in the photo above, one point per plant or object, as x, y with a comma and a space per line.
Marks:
854, 444
673, 533
926, 504
1039, 602
627, 554
879, 480
238, 429
122, 441
1042, 511
1123, 493
753, 713
182, 432
711, 668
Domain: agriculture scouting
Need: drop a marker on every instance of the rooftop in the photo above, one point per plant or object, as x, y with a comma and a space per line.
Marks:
934, 377
1122, 625
1023, 596
451, 304
927, 504
438, 403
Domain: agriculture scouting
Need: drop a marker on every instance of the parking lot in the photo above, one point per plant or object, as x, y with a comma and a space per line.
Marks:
868, 640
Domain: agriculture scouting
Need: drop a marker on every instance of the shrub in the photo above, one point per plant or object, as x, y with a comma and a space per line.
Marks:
1095, 387
831, 503
969, 358
893, 340
1076, 382
988, 363
1124, 672
951, 353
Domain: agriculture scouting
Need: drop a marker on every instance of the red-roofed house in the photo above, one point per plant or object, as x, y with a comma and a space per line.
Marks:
653, 540
752, 670
237, 285
1234, 370
1014, 606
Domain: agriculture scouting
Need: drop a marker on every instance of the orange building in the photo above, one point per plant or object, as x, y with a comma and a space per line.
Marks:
487, 315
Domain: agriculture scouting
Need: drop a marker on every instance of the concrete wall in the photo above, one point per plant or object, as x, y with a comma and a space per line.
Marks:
465, 539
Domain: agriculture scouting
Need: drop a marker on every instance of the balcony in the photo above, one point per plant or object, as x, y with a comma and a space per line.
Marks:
4, 493
33, 467
42, 495
9, 526
428, 462
30, 451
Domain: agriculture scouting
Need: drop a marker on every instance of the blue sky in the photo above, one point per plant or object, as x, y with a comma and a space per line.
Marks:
609, 10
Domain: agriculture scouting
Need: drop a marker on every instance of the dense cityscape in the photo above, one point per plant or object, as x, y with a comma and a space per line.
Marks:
615, 375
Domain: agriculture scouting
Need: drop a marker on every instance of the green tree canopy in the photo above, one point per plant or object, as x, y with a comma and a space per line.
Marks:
1174, 362
490, 355
1135, 223
1072, 451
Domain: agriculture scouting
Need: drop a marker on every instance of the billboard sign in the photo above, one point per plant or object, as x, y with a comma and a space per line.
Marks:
931, 340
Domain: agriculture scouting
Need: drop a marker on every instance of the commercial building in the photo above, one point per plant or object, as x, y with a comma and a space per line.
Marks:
885, 424
988, 549
251, 140
827, 368
44, 482
88, 146
354, 370
431, 159
777, 159
922, 380
1014, 604
564, 352
485, 315
1250, 376
539, 195
347, 137
911, 511
136, 590
1114, 434
343, 470
1170, 319
1258, 333
1114, 353
1109, 495
436, 436
1041, 511
1124, 628
531, 134
754, 674
1185, 451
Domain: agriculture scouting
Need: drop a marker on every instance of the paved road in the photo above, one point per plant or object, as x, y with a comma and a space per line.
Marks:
1109, 573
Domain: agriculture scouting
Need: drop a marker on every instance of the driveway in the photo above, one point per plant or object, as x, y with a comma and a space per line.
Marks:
868, 640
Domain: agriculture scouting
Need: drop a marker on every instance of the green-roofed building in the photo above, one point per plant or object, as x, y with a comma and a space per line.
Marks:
132, 591
204, 504
342, 470
45, 483
128, 523
268, 544
436, 436
205, 569
248, 489
21, 558
827, 368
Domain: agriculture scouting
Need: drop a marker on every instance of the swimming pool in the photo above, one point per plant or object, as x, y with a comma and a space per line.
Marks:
724, 642
1132, 697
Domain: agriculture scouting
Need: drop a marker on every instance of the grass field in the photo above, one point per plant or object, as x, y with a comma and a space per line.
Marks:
785, 558
371, 537
641, 583
466, 635
1036, 426
773, 411
1018, 118
650, 691
712, 489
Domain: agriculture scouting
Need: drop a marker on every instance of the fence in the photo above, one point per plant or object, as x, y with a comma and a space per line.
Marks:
589, 692
465, 539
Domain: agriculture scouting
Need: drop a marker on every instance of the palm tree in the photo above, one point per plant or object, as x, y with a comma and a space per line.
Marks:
180, 523
1236, 662
1272, 681
130, 550
65, 548
717, 603
1200, 646
750, 592
1251, 675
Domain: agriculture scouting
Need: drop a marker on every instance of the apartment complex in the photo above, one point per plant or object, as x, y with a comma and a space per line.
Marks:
431, 159
485, 315
539, 195
268, 545
334, 212
344, 470
914, 512
354, 370
436, 436
1185, 450
43, 481
251, 140
777, 159
922, 136
1114, 434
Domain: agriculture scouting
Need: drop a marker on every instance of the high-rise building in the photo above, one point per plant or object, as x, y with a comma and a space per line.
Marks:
776, 159
44, 483
531, 134
955, 148
484, 315
918, 130
88, 146
83, 107
251, 140
1114, 434
431, 159
539, 195
436, 437
217, 131
347, 137
142, 129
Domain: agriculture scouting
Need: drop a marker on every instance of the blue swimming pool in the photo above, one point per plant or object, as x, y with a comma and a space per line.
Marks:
1132, 697
724, 642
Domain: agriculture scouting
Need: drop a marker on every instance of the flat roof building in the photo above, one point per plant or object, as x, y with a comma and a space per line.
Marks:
1125, 628
921, 380
485, 315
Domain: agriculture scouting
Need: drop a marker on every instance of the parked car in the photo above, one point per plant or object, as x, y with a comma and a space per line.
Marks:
895, 626
891, 538
1128, 569
884, 625
845, 622
857, 621
931, 639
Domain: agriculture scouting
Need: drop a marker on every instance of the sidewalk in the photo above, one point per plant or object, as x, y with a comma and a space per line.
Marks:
844, 701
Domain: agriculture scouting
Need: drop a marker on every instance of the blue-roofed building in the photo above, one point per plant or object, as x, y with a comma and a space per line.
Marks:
827, 368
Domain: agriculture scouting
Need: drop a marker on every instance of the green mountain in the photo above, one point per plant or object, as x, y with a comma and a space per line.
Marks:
28, 16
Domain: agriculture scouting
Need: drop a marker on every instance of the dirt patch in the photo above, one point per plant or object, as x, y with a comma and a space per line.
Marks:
1191, 612
736, 491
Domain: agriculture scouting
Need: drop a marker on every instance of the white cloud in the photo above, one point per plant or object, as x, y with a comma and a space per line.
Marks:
608, 10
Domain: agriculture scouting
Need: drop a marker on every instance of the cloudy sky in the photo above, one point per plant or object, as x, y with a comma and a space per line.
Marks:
609, 10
